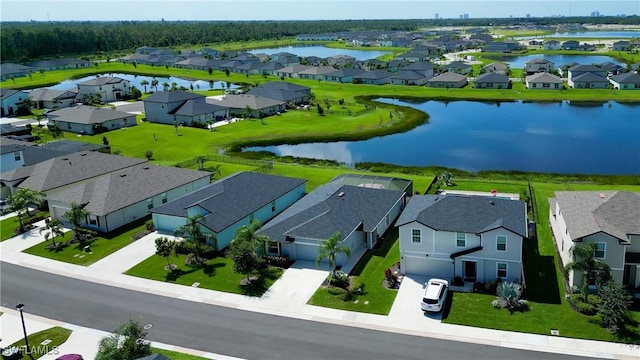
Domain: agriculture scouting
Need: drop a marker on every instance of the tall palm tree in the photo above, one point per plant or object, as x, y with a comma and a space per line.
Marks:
201, 159
76, 215
154, 83
165, 86
248, 234
592, 268
31, 197
329, 249
144, 83
192, 232
215, 171
52, 228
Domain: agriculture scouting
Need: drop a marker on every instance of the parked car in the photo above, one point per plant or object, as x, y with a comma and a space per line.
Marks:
70, 357
435, 295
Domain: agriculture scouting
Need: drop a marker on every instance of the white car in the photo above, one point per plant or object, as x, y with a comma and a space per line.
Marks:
435, 295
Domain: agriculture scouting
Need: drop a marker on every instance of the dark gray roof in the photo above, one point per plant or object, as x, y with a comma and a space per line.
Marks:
5, 93
276, 94
57, 62
71, 146
232, 198
457, 65
496, 66
539, 61
271, 66
419, 66
585, 68
616, 213
345, 72
590, 77
102, 80
628, 77
492, 77
126, 187
407, 75
86, 115
10, 68
448, 77
330, 208
196, 107
31, 153
469, 214
243, 100
68, 169
8, 129
50, 95
374, 74
171, 96
283, 85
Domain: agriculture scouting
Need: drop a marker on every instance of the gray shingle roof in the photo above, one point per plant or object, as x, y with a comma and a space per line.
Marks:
68, 169
10, 68
585, 68
5, 93
196, 107
86, 115
407, 75
324, 211
71, 146
50, 95
469, 214
375, 74
492, 77
123, 188
345, 73
171, 96
589, 76
102, 80
243, 100
318, 70
283, 85
232, 198
280, 95
628, 77
543, 77
419, 66
448, 77
616, 213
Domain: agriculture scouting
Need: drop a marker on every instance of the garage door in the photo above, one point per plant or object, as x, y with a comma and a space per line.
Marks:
429, 267
167, 223
306, 252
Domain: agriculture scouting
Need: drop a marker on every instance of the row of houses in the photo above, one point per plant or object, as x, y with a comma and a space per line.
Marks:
11, 70
584, 77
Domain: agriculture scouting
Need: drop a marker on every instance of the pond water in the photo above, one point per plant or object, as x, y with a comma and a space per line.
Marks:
321, 51
135, 81
518, 62
560, 137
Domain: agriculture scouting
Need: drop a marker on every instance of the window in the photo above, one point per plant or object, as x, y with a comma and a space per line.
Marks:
273, 206
502, 270
163, 196
149, 204
93, 220
501, 243
272, 247
601, 250
546, 85
461, 239
16, 156
416, 236
69, 126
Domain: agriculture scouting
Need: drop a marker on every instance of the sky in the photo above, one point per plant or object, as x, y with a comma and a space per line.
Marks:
105, 10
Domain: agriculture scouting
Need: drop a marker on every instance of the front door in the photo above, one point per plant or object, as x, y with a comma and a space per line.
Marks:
469, 270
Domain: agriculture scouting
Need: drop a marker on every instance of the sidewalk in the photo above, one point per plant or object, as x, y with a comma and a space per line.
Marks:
289, 295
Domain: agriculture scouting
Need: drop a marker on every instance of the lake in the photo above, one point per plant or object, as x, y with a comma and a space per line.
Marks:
555, 137
518, 62
135, 81
621, 34
321, 51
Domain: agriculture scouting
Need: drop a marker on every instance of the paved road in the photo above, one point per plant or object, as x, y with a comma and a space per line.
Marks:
223, 330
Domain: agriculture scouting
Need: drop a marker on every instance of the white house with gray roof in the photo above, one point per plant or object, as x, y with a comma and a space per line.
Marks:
53, 99
121, 197
90, 120
259, 106
110, 88
360, 214
448, 80
230, 203
10, 101
478, 238
610, 219
626, 81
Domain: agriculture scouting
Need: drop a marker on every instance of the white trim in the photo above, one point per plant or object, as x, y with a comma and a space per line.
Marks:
604, 256
506, 270
491, 259
505, 242
419, 234
465, 239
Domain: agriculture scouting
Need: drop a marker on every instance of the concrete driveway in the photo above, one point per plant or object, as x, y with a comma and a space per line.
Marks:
129, 107
406, 307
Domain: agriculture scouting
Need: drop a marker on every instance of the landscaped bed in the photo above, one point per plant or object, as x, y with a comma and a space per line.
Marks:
53, 337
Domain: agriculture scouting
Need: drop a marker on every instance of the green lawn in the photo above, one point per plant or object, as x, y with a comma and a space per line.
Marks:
57, 335
174, 355
8, 226
101, 246
216, 274
369, 273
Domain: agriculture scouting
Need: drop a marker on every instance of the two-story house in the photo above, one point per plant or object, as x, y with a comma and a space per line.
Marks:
478, 238
538, 65
160, 107
10, 101
108, 87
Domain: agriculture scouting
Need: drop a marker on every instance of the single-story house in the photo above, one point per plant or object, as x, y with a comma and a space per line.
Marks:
54, 174
626, 81
16, 153
317, 37
285, 96
14, 132
160, 106
588, 80
110, 88
458, 67
10, 70
580, 69
496, 67
53, 99
610, 219
341, 60
90, 120
10, 101
373, 77
479, 238
199, 110
121, 197
543, 81
360, 214
538, 65
292, 71
343, 75
316, 72
407, 77
611, 68
491, 80
552, 45
270, 68
448, 80
230, 203
60, 64
425, 68
258, 105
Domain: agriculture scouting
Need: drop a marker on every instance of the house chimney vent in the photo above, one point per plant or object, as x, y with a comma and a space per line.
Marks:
341, 194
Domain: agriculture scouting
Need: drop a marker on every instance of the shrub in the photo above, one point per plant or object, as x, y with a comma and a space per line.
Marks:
340, 280
588, 308
185, 248
509, 297
391, 278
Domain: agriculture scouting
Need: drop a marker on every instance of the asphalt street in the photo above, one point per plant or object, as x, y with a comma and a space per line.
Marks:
224, 330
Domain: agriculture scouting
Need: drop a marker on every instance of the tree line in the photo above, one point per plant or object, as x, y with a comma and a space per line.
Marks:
25, 41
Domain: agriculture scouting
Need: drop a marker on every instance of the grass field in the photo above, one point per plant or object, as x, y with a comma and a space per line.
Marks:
57, 335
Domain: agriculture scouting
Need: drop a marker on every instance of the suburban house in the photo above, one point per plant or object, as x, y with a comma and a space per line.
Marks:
316, 72
23, 133
199, 110
10, 101
622, 45
610, 219
538, 65
258, 106
121, 197
60, 64
361, 215
448, 80
373, 77
496, 67
341, 60
491, 80
55, 174
317, 37
611, 68
90, 120
425, 68
543, 81
407, 77
343, 75
109, 88
570, 45
626, 81
292, 71
587, 76
16, 153
10, 70
270, 68
479, 238
282, 91
53, 99
160, 106
552, 45
11, 157
457, 67
230, 203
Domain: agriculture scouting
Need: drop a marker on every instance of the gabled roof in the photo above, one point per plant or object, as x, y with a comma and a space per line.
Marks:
585, 68
457, 65
51, 95
276, 94
271, 66
539, 61
31, 153
468, 214
67, 169
5, 93
616, 213
407, 75
345, 73
171, 96
126, 187
103, 80
318, 70
57, 62
330, 208
492, 77
86, 115
589, 76
448, 77
10, 68
374, 74
196, 107
283, 85
232, 198
294, 69
543, 77
419, 66
252, 101
629, 77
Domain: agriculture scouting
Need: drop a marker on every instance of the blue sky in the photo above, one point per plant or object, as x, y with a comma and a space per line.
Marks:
60, 10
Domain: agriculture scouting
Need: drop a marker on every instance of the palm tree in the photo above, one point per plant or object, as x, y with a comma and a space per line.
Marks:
31, 197
192, 232
592, 268
215, 171
165, 86
52, 228
144, 83
154, 83
174, 86
76, 215
329, 249
201, 160
247, 234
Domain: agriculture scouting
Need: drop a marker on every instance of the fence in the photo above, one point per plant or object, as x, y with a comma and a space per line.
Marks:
261, 166
534, 205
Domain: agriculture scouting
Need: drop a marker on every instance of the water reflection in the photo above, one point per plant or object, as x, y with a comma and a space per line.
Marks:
136, 79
